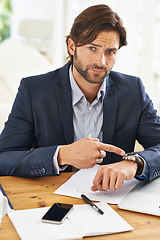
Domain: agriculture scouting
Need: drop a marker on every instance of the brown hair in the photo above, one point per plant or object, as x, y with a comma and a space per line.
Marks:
93, 20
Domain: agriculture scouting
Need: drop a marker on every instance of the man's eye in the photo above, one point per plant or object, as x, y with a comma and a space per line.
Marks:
91, 48
111, 52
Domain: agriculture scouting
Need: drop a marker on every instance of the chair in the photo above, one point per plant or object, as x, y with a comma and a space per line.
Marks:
37, 33
17, 60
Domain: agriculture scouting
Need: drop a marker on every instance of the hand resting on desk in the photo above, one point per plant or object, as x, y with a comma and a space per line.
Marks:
112, 176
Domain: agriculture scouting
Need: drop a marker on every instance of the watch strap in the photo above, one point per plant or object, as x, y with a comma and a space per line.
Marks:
136, 158
139, 162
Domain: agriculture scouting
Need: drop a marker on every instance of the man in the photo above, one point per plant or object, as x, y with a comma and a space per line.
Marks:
84, 113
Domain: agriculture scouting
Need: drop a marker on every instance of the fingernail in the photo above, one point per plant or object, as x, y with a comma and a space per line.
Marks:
122, 153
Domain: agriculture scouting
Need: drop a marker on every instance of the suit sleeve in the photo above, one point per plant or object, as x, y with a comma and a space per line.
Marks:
148, 134
18, 156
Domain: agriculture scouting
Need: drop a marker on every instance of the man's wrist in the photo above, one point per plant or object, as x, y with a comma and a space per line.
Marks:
135, 157
56, 167
61, 156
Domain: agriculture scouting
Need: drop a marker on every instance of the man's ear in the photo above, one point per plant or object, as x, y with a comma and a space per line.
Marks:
71, 46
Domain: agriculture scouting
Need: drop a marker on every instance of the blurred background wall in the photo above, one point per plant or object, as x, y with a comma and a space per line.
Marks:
141, 18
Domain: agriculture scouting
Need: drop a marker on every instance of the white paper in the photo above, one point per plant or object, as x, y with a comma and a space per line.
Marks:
82, 221
89, 222
29, 225
82, 181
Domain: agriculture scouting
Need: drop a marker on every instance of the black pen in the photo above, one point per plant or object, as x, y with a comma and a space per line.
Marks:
86, 199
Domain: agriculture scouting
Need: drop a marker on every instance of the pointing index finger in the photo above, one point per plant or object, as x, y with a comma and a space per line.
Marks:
111, 148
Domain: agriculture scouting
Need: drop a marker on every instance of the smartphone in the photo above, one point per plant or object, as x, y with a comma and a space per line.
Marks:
57, 213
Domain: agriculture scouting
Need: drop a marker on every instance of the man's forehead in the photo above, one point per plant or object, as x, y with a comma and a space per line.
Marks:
105, 37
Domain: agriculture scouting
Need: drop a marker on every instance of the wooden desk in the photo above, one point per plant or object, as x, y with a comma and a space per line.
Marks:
38, 192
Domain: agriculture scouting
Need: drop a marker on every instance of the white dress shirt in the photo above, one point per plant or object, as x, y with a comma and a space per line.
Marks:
87, 118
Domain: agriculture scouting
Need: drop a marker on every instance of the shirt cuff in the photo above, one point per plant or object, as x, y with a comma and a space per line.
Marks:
56, 167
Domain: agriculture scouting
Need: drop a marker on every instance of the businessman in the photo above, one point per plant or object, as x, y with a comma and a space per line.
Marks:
84, 113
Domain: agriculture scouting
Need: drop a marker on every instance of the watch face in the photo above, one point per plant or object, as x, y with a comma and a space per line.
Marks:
130, 156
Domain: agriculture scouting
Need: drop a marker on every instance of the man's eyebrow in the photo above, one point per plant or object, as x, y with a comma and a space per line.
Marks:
97, 45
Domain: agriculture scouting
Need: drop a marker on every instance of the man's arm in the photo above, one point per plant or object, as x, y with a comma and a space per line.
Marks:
148, 134
85, 153
32, 163
19, 154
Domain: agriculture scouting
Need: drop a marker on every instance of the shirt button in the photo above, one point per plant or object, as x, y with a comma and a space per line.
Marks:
90, 108
89, 135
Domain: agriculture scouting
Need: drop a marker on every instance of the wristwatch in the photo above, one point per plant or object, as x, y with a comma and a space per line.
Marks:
132, 156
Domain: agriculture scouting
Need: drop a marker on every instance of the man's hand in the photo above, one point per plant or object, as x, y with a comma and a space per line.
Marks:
112, 176
85, 153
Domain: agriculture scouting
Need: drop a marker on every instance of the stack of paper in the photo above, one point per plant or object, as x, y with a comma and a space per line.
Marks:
82, 221
82, 181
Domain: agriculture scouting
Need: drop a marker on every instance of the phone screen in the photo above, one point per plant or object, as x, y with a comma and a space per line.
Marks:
57, 213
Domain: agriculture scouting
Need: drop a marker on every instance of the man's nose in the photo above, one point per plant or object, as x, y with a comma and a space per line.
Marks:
101, 59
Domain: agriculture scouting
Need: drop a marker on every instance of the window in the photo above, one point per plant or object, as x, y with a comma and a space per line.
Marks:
5, 14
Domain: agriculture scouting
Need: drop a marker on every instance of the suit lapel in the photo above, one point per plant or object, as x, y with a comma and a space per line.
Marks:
64, 99
109, 112
109, 117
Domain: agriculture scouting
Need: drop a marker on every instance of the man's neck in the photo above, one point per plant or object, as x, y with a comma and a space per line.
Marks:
90, 90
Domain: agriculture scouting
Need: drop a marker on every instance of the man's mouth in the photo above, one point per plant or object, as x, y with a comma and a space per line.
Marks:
97, 71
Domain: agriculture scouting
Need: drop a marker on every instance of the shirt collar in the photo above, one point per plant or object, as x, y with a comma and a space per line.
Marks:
77, 94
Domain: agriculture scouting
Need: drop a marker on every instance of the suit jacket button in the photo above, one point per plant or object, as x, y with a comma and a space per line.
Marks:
155, 174
43, 170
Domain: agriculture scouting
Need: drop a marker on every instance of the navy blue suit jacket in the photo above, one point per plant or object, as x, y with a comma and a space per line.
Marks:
42, 118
